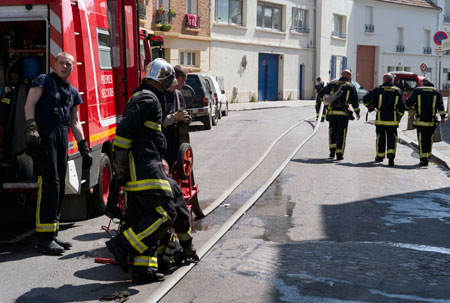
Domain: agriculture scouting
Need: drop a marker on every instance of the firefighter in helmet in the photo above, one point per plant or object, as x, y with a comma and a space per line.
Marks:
338, 113
427, 101
139, 146
387, 100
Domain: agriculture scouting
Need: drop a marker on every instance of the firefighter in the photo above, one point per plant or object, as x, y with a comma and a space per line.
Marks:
51, 107
176, 117
387, 100
319, 85
427, 101
139, 146
338, 112
182, 226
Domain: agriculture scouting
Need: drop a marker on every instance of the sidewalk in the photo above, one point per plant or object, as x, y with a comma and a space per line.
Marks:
441, 150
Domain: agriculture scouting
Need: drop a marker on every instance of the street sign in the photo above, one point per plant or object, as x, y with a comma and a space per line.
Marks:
445, 45
439, 36
423, 67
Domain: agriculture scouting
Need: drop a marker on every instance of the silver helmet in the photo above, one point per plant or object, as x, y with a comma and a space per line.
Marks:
161, 71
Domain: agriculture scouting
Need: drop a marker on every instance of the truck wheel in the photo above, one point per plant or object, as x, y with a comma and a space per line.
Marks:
99, 197
185, 161
215, 118
207, 121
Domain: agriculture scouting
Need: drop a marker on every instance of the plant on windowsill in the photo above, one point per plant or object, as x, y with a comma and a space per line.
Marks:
172, 13
160, 10
166, 27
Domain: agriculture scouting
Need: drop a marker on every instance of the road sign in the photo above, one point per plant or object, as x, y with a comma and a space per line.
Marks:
445, 45
423, 67
439, 36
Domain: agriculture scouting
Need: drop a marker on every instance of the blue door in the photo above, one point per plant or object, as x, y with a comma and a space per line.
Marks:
300, 85
268, 77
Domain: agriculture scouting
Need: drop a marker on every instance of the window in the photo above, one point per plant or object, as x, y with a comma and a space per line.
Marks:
300, 20
229, 11
268, 16
188, 58
447, 11
191, 7
370, 28
427, 41
400, 47
391, 68
163, 3
104, 49
339, 26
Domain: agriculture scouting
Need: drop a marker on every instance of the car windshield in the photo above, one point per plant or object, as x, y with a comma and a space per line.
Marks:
406, 84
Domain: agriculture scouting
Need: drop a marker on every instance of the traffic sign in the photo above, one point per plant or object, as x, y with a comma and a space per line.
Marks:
423, 67
439, 36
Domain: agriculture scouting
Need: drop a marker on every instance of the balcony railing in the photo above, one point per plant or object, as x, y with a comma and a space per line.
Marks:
370, 28
302, 30
446, 53
162, 18
191, 24
339, 35
446, 18
427, 50
400, 48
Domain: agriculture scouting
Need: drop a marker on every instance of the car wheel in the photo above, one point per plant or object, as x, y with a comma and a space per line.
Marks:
207, 121
225, 112
215, 118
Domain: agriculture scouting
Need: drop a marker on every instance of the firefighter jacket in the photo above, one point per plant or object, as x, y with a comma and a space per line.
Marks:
427, 101
388, 101
348, 96
140, 132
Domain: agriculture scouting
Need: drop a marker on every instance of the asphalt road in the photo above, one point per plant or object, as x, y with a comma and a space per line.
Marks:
352, 231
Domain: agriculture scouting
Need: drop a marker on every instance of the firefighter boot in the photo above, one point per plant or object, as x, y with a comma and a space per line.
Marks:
50, 247
391, 162
378, 159
117, 246
423, 162
64, 244
139, 276
332, 153
339, 156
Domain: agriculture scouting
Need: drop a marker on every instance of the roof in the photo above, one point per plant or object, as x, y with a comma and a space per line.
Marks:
417, 3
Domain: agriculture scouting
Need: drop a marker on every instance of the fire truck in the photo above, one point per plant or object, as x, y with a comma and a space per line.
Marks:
110, 51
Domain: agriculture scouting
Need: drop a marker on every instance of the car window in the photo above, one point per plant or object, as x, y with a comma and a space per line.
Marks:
208, 87
406, 84
356, 84
194, 82
211, 84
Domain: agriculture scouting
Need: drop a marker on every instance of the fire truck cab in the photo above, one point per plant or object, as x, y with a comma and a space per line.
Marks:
110, 52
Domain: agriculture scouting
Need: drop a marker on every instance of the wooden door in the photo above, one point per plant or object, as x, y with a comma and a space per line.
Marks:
365, 66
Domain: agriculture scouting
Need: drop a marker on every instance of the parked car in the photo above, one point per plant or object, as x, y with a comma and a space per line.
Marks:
360, 90
219, 95
203, 107
406, 81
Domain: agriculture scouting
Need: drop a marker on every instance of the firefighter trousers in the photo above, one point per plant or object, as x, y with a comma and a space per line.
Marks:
425, 135
50, 164
337, 133
147, 218
386, 136
324, 112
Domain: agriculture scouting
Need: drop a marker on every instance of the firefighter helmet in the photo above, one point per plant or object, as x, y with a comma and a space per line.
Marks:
161, 71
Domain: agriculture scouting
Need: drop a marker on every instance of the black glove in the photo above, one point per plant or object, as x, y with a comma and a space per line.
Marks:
121, 167
31, 133
85, 153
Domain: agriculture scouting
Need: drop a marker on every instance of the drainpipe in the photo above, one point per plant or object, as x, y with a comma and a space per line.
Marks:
315, 43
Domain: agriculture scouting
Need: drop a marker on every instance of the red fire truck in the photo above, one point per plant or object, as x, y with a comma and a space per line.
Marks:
110, 51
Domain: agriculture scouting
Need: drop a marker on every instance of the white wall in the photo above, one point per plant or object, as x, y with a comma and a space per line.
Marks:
386, 18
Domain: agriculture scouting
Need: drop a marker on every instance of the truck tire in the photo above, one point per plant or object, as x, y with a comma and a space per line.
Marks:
99, 197
207, 121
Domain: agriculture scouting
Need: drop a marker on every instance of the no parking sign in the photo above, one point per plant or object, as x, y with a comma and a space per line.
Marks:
423, 67
439, 36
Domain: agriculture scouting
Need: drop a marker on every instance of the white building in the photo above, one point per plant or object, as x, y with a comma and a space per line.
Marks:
263, 50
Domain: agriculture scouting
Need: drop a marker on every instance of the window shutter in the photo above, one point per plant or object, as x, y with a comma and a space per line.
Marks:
344, 63
333, 67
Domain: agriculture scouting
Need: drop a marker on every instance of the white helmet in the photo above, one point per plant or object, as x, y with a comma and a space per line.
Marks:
161, 71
